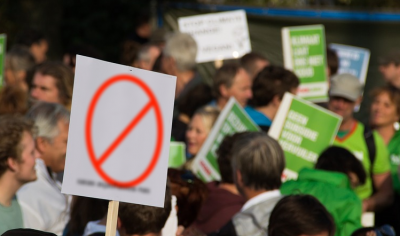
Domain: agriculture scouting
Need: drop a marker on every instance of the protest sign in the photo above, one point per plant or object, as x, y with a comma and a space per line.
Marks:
177, 155
120, 126
232, 119
304, 130
3, 39
304, 53
352, 60
219, 36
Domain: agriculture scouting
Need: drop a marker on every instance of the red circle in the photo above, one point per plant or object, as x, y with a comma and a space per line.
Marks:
88, 131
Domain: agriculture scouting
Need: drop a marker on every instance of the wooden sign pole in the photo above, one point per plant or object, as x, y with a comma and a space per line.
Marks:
112, 218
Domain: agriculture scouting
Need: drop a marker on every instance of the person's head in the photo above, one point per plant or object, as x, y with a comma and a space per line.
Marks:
35, 41
146, 57
134, 219
53, 82
333, 62
179, 54
224, 154
231, 80
52, 121
17, 149
18, 64
341, 160
190, 193
300, 215
195, 98
257, 162
142, 25
199, 127
345, 93
271, 84
385, 107
390, 68
253, 63
13, 100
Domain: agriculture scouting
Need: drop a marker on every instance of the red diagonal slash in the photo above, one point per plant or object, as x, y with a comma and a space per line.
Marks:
97, 162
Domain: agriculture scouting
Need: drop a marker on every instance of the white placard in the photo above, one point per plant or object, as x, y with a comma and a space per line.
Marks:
219, 36
120, 127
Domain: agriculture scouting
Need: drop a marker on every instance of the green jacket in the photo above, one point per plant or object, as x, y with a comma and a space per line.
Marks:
333, 190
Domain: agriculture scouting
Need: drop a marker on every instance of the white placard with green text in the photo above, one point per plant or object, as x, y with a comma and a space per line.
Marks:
304, 53
232, 119
304, 130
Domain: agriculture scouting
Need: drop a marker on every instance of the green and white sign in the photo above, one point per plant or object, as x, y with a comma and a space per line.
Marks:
304, 130
304, 53
177, 156
232, 119
3, 39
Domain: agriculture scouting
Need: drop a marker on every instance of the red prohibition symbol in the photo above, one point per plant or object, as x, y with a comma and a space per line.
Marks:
152, 104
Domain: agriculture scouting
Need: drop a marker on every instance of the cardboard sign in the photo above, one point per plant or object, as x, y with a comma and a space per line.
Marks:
304, 53
120, 126
304, 130
219, 36
177, 155
352, 60
3, 39
232, 119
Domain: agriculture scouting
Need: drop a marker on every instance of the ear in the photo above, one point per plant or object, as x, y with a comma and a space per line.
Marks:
239, 178
119, 224
276, 101
12, 164
223, 90
41, 144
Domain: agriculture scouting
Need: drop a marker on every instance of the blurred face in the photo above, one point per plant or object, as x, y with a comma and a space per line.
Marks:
16, 78
25, 169
154, 52
383, 111
196, 134
260, 64
240, 89
53, 152
44, 88
342, 107
39, 51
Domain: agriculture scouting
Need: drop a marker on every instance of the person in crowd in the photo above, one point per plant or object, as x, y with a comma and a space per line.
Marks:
385, 113
53, 82
223, 200
390, 68
253, 63
43, 205
298, 215
18, 67
257, 165
190, 193
269, 86
13, 100
345, 93
199, 127
231, 80
336, 173
333, 62
179, 59
197, 97
35, 41
17, 167
146, 57
84, 210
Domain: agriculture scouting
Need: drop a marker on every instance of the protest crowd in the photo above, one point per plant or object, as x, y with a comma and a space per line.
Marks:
357, 174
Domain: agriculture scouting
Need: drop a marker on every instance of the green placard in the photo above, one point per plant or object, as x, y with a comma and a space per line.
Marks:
233, 119
305, 54
304, 130
3, 39
177, 156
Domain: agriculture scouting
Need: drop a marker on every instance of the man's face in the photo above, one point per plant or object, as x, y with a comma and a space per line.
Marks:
240, 89
25, 169
44, 88
54, 151
390, 72
154, 52
341, 106
39, 50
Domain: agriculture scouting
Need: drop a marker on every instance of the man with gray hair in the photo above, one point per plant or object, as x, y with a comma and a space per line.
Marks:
179, 59
43, 205
257, 164
146, 57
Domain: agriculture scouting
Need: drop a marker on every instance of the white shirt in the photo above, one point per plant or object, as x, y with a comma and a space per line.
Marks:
43, 205
260, 198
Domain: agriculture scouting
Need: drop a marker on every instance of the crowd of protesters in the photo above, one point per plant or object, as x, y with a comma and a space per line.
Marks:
357, 174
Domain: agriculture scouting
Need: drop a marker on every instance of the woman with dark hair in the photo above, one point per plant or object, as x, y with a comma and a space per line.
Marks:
300, 215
